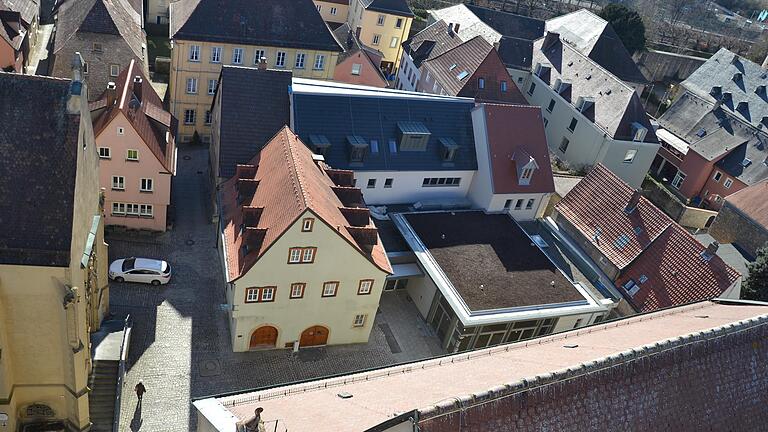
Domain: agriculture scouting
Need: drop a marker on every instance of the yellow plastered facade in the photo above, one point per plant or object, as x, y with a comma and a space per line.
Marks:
390, 36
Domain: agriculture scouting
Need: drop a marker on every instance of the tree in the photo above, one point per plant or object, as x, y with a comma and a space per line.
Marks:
755, 286
627, 24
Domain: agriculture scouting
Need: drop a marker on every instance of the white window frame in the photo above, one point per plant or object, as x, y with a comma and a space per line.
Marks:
194, 53
118, 182
118, 208
356, 68
146, 210
280, 59
300, 59
728, 183
381, 19
144, 182
212, 83
105, 153
114, 70
267, 298
678, 180
258, 54
300, 293
191, 85
393, 42
319, 62
128, 155
294, 256
308, 255
121, 131
359, 320
237, 56
333, 10
249, 297
216, 54
717, 176
365, 286
376, 40
132, 209
333, 292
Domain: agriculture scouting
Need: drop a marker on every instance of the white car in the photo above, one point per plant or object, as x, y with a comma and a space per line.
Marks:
143, 270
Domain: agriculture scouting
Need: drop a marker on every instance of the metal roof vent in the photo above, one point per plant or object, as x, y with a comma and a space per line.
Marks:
344, 395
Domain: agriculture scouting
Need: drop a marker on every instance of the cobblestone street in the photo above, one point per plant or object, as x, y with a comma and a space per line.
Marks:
180, 344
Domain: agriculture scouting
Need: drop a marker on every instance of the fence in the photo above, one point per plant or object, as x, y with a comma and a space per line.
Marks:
121, 372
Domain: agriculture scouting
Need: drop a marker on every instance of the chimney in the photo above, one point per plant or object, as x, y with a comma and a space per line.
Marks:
137, 83
349, 196
111, 93
76, 88
450, 28
356, 216
263, 63
633, 201
456, 28
550, 39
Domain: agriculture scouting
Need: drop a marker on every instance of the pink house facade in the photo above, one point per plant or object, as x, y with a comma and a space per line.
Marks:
135, 138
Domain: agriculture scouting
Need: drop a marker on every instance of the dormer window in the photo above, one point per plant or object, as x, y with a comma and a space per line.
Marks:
320, 144
526, 165
358, 147
414, 136
448, 149
527, 173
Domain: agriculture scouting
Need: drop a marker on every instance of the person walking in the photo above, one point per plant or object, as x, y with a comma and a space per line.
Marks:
140, 390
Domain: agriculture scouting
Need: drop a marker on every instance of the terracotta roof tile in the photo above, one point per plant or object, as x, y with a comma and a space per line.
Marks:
289, 183
514, 131
598, 202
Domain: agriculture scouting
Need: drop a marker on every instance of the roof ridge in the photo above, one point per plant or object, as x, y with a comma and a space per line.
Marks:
597, 65
460, 46
36, 77
295, 171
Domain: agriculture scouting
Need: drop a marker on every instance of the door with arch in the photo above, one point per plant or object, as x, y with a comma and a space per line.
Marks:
314, 336
263, 337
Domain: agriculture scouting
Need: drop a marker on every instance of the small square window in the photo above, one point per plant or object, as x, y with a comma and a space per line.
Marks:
629, 156
308, 255
105, 153
251, 295
359, 320
114, 70
120, 131
507, 204
388, 183
728, 183
717, 177
294, 255
118, 208
371, 183
146, 185
330, 289
132, 155
118, 183
297, 290
356, 67
572, 126
146, 210
307, 224
267, 294
365, 287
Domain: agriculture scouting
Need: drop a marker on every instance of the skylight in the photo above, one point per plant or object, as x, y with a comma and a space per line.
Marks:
701, 133
453, 66
746, 162
621, 242
462, 75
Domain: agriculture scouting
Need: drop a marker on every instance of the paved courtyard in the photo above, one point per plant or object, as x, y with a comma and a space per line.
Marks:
180, 344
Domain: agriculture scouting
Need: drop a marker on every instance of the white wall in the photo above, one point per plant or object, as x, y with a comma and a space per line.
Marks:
519, 77
588, 143
407, 186
406, 67
566, 323
422, 291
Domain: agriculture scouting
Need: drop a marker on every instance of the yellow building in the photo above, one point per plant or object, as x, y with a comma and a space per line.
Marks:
205, 34
53, 259
383, 25
304, 263
333, 11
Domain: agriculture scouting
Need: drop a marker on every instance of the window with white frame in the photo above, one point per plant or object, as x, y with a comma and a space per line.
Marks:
393, 42
258, 55
297, 290
307, 224
308, 255
146, 210
146, 185
118, 208
280, 59
365, 287
212, 83
132, 155
267, 294
356, 67
120, 131
105, 153
718, 175
300, 60
192, 85
237, 56
319, 62
376, 39
216, 55
728, 183
132, 209
251, 295
301, 255
260, 294
208, 117
189, 116
318, 7
330, 289
194, 53
380, 20
529, 204
294, 256
333, 11
678, 180
371, 183
114, 70
359, 320
118, 183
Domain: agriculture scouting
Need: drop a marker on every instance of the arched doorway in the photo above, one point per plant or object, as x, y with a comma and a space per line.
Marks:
263, 337
314, 336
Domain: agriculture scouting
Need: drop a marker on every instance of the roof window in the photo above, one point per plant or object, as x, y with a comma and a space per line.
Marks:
358, 147
414, 136
320, 144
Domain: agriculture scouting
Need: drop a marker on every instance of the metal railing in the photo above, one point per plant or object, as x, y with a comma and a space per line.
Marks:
121, 372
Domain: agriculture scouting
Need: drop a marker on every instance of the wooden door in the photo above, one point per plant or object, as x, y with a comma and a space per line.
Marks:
264, 337
314, 336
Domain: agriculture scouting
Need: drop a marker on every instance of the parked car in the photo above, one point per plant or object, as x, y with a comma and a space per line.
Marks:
143, 270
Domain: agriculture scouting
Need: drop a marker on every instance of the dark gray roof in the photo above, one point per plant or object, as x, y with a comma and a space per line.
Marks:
396, 7
29, 9
374, 115
509, 24
434, 40
616, 104
277, 23
246, 124
516, 53
597, 39
713, 131
94, 17
719, 70
37, 176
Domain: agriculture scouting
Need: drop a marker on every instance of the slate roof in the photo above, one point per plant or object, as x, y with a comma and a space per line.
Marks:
431, 42
712, 131
114, 17
12, 28
515, 135
719, 70
276, 23
491, 251
395, 7
144, 111
37, 178
616, 104
752, 202
643, 242
337, 111
514, 33
244, 125
29, 9
289, 184
596, 38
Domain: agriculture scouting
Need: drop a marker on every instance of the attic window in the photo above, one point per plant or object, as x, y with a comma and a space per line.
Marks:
448, 149
414, 136
374, 146
320, 144
462, 75
643, 279
358, 147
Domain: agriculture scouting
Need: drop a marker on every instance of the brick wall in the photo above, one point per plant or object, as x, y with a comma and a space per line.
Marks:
731, 227
715, 381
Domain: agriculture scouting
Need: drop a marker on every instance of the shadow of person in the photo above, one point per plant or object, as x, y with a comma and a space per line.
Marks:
136, 421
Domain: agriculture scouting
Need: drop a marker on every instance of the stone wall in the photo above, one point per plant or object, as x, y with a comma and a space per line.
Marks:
731, 227
715, 381
664, 66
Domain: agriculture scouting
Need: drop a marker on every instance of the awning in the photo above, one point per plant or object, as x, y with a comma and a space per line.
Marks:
669, 138
402, 271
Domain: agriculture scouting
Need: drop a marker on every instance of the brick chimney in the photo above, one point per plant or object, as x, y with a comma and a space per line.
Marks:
633, 201
111, 93
137, 84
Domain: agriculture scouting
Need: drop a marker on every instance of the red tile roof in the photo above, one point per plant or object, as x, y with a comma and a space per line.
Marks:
670, 259
149, 120
289, 184
752, 202
516, 134
596, 205
676, 272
